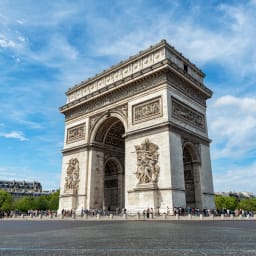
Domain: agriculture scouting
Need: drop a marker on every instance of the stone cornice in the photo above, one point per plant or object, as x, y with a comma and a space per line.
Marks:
134, 85
134, 66
109, 97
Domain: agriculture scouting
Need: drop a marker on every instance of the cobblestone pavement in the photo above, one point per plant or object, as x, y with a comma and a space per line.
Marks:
134, 238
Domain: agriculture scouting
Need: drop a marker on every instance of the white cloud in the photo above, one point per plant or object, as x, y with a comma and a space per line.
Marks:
232, 126
6, 43
236, 179
14, 135
244, 104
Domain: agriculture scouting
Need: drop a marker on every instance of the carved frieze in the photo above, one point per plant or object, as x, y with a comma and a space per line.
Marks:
92, 85
147, 163
115, 96
76, 133
183, 86
72, 178
185, 113
147, 110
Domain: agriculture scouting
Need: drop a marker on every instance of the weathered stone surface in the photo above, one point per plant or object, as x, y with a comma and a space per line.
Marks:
156, 98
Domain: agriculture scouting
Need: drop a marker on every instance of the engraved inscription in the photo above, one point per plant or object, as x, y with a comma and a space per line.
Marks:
147, 110
187, 114
76, 133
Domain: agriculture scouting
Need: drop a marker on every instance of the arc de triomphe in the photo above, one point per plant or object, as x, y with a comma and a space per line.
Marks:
136, 136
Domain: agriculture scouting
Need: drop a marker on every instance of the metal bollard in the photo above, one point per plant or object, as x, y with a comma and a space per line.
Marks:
164, 216
138, 215
111, 216
201, 216
190, 217
222, 216
40, 216
177, 216
125, 216
98, 216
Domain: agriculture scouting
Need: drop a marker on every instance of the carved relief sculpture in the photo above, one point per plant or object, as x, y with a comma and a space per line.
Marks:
72, 179
147, 163
187, 114
76, 133
147, 110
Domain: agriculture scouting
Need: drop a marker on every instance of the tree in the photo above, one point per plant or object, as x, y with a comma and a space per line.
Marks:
248, 204
53, 203
6, 201
25, 203
227, 202
219, 202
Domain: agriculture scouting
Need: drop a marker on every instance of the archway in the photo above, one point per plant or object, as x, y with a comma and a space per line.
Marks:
113, 185
189, 179
110, 140
191, 176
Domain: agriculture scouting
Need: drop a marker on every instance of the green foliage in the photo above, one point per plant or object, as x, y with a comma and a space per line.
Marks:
228, 202
248, 204
53, 202
48, 202
219, 202
25, 203
6, 201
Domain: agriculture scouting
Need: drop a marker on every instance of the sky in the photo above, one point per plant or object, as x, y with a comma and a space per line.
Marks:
49, 46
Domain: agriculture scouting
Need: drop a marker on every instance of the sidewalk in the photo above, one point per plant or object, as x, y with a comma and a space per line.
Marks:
135, 217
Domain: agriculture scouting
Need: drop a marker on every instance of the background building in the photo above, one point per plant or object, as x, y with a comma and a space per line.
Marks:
23, 188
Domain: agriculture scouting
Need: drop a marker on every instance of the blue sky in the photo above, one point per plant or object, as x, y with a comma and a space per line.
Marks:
48, 46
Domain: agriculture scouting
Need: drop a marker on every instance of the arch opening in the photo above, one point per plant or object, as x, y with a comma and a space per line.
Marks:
189, 178
111, 144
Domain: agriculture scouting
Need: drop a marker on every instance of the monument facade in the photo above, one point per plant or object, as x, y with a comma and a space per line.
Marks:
136, 136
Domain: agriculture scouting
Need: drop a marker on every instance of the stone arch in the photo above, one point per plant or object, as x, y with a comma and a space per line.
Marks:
104, 120
191, 163
190, 147
108, 151
113, 184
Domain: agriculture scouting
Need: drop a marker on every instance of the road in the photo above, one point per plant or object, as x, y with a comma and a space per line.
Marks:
150, 237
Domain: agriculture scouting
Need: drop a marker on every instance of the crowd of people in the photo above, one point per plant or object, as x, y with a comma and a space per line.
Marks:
31, 213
